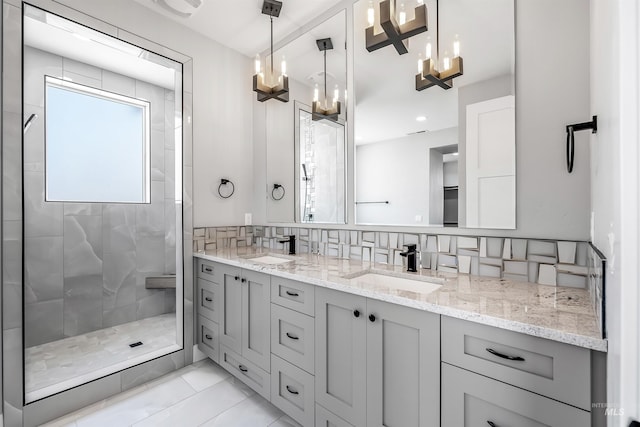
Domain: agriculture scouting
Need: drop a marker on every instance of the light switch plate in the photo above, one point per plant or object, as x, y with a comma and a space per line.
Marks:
247, 219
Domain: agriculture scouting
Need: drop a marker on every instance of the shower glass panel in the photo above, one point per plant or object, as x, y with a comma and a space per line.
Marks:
102, 185
320, 152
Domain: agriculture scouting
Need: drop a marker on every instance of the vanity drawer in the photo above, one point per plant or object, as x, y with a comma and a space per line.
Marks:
325, 418
472, 400
207, 339
553, 369
294, 295
292, 337
245, 371
208, 294
292, 390
206, 270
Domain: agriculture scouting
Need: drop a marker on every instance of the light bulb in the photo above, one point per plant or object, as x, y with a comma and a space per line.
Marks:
316, 93
446, 62
402, 17
370, 14
420, 64
257, 64
336, 95
428, 51
456, 47
283, 66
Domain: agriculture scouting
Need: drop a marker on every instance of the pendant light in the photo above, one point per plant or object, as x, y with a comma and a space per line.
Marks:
325, 109
395, 31
266, 84
432, 73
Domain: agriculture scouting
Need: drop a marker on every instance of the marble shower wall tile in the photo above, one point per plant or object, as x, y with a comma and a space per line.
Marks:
105, 250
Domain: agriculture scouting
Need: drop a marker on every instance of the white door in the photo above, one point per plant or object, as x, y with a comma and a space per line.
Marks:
491, 164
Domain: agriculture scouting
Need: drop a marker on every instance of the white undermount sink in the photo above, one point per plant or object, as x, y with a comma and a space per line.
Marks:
270, 260
386, 280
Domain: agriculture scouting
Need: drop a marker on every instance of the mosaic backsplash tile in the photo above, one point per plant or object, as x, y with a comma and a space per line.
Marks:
548, 262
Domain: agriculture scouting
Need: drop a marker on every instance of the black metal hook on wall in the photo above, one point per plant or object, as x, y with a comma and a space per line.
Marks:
593, 125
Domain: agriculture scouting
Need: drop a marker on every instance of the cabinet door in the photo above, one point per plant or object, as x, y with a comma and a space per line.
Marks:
340, 354
256, 318
231, 311
470, 400
403, 366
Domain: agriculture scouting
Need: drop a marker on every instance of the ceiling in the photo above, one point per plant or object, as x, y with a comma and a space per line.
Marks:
240, 24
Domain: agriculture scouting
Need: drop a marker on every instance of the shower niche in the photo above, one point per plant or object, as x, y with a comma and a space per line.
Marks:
102, 204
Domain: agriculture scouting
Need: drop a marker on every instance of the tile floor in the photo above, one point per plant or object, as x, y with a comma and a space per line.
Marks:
202, 394
66, 363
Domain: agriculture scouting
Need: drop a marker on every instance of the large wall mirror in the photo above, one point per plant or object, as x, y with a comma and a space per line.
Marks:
437, 157
306, 166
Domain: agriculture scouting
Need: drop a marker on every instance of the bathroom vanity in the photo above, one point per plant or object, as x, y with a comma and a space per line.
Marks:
348, 343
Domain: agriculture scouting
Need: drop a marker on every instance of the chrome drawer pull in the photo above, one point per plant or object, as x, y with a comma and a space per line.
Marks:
504, 356
208, 299
242, 368
292, 391
292, 294
491, 423
293, 337
207, 336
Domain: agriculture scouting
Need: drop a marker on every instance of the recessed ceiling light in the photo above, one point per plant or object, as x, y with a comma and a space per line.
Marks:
421, 118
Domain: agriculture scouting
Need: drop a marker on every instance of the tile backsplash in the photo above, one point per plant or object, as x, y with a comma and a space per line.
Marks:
547, 262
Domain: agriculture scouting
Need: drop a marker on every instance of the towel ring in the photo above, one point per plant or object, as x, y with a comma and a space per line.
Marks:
225, 182
275, 188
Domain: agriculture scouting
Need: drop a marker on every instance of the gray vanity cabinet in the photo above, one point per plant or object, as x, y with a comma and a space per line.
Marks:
377, 364
245, 315
341, 371
231, 309
245, 325
403, 366
470, 400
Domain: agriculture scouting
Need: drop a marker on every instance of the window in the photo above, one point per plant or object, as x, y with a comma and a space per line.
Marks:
97, 145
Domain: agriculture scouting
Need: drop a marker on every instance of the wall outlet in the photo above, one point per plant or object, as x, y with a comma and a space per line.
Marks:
247, 219
418, 218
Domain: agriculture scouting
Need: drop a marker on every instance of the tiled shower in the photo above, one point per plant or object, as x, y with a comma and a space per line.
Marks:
85, 264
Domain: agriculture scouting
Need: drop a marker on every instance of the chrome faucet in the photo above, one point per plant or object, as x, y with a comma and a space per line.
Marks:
411, 254
291, 239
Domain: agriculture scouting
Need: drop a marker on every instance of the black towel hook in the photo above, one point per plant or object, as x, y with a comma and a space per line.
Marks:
593, 125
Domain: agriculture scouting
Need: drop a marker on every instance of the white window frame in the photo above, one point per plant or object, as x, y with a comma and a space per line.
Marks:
113, 97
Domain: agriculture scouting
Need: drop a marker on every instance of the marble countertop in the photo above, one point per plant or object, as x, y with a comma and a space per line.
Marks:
557, 313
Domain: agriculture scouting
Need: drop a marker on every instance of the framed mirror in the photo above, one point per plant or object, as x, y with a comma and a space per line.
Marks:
305, 158
437, 157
